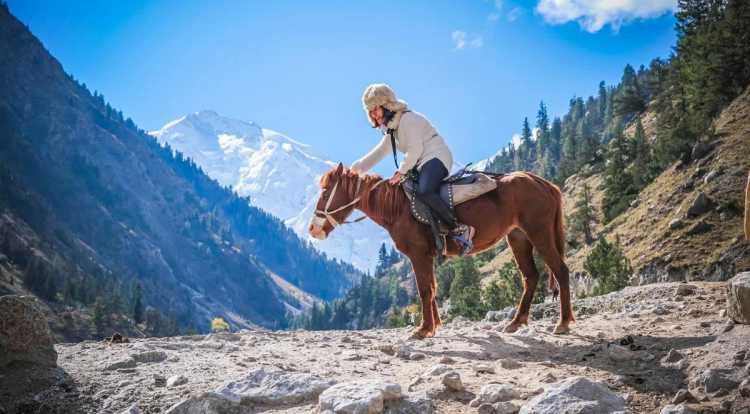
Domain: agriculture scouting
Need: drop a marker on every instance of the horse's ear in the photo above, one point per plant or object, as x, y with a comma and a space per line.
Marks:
339, 168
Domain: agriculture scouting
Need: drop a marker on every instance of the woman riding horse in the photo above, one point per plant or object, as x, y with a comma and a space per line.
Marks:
425, 150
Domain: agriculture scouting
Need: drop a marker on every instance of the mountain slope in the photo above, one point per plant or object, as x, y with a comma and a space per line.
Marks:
657, 236
277, 173
104, 207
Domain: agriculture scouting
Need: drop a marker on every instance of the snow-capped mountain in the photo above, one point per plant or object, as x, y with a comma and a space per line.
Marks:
279, 174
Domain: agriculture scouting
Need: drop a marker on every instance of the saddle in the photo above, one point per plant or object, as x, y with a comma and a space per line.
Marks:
456, 189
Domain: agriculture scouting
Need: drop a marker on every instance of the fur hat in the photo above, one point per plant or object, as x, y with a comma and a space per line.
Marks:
380, 94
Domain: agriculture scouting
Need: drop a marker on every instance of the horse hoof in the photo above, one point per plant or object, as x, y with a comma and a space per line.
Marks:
420, 334
512, 327
561, 329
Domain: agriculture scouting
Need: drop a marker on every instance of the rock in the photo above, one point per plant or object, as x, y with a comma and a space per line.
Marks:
510, 364
714, 379
744, 388
677, 409
700, 150
121, 363
481, 368
416, 356
206, 403
24, 332
133, 409
446, 360
699, 228
452, 381
728, 326
673, 356
686, 290
150, 356
260, 386
700, 205
387, 349
176, 381
494, 316
357, 397
159, 380
504, 407
738, 298
576, 395
404, 351
710, 176
436, 370
492, 393
619, 353
683, 395
410, 404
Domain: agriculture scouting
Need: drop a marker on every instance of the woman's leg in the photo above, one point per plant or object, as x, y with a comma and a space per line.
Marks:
430, 177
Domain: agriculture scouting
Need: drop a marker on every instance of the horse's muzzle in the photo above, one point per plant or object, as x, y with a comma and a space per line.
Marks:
317, 232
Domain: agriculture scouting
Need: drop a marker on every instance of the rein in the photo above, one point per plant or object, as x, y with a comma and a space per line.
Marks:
328, 214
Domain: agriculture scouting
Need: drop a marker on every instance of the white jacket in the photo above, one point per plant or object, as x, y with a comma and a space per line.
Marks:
416, 137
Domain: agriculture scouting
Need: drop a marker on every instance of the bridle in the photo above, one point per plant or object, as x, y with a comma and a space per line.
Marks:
322, 215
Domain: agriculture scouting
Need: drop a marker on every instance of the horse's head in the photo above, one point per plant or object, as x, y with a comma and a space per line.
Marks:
336, 201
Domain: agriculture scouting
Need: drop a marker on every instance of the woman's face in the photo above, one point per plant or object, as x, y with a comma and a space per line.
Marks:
376, 114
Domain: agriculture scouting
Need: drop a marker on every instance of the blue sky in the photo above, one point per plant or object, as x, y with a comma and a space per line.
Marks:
474, 67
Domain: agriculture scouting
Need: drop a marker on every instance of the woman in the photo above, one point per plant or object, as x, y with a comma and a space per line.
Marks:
425, 150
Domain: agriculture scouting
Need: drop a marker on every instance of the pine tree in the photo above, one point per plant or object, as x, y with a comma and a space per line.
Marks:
137, 303
494, 297
642, 160
583, 216
608, 266
100, 317
542, 123
618, 184
465, 291
526, 149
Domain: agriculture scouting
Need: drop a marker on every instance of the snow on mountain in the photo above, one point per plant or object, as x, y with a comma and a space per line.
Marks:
279, 174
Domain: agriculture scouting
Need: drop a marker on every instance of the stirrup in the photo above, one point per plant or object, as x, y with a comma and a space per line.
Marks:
466, 243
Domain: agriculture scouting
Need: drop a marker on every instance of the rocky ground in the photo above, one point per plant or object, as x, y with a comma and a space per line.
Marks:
637, 350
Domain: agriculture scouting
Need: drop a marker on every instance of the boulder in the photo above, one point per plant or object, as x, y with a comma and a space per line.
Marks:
176, 381
357, 397
452, 381
274, 387
419, 403
700, 205
493, 393
258, 387
677, 409
150, 356
576, 395
120, 364
714, 379
24, 333
738, 298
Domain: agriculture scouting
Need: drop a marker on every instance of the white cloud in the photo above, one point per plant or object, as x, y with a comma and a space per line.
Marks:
514, 13
461, 40
493, 17
516, 140
592, 15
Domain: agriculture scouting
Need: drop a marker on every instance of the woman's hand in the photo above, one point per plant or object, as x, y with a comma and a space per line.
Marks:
396, 179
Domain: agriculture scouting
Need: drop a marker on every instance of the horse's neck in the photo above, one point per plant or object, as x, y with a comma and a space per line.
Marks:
372, 207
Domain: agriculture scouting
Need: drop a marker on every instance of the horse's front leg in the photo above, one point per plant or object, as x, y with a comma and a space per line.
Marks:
422, 266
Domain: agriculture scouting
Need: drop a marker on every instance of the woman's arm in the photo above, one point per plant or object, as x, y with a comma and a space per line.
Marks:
373, 157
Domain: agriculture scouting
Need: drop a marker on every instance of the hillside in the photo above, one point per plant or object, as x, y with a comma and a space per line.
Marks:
706, 247
647, 346
109, 228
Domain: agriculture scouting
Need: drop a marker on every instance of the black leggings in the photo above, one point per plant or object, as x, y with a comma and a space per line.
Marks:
430, 177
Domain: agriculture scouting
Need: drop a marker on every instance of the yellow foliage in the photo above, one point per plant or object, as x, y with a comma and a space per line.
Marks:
412, 309
219, 325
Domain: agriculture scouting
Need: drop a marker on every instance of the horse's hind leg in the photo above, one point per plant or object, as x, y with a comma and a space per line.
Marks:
545, 245
523, 251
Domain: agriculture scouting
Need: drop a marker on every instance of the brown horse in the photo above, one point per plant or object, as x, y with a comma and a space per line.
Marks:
524, 207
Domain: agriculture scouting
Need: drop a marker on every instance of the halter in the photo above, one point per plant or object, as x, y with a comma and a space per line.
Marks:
328, 215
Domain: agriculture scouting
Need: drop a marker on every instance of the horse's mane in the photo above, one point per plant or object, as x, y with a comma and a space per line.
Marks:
386, 201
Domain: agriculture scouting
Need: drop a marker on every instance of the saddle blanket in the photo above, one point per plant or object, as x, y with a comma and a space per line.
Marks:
453, 192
